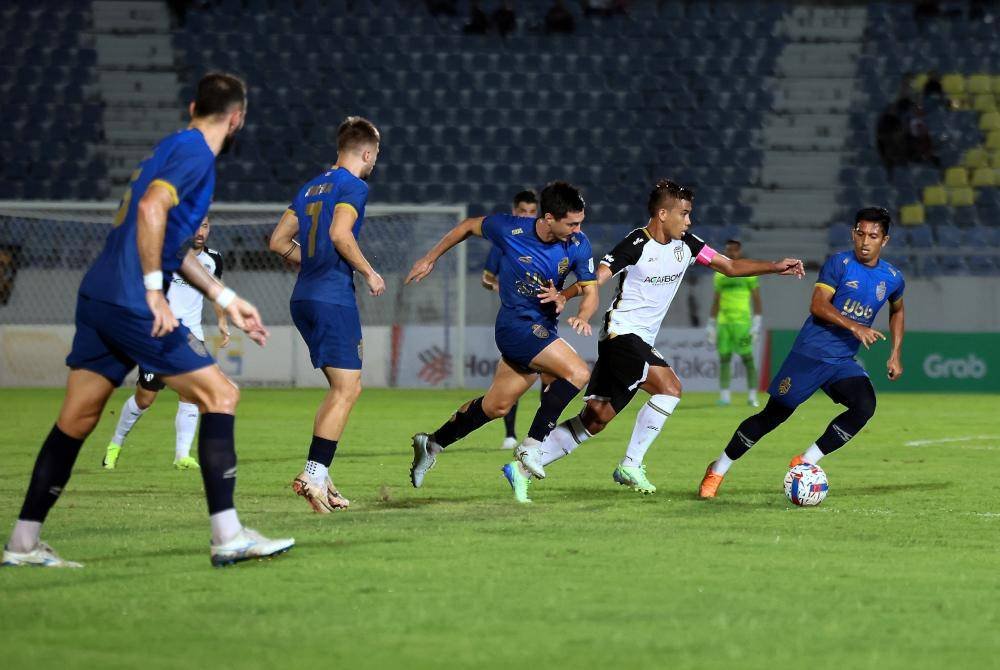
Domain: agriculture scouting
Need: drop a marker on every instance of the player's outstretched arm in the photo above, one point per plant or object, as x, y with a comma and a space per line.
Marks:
588, 305
283, 240
243, 315
457, 235
342, 234
897, 319
749, 267
822, 308
151, 226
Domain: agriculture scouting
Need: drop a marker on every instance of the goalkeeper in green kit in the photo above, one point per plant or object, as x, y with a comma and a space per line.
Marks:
732, 328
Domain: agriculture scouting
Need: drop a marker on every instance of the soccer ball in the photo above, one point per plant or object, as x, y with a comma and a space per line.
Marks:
806, 485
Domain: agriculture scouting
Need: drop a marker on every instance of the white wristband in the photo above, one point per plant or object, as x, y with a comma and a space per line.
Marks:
225, 297
153, 281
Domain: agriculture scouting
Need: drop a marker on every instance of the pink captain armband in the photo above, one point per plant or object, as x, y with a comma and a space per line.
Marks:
706, 255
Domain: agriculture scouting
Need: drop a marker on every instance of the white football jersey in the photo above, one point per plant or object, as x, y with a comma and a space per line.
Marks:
651, 273
186, 301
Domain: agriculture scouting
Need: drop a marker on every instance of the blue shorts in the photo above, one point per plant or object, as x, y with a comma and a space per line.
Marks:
520, 340
332, 333
111, 340
801, 376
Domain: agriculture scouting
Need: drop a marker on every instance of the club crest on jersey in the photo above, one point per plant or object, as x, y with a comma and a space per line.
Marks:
785, 386
540, 331
851, 284
880, 291
564, 266
679, 252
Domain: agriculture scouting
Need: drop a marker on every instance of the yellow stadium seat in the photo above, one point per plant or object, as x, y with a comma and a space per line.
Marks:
995, 160
979, 83
975, 158
955, 177
912, 215
984, 102
989, 121
935, 196
961, 197
993, 140
984, 176
953, 84
918, 81
996, 84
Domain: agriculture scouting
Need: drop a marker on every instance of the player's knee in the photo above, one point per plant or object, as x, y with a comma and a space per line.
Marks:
863, 407
497, 409
221, 398
596, 417
671, 387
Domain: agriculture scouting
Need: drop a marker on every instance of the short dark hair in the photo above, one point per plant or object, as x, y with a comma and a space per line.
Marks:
527, 196
879, 215
665, 190
356, 131
559, 198
217, 92
734, 242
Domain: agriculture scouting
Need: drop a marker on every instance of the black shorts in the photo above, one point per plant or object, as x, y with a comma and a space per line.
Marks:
150, 381
623, 363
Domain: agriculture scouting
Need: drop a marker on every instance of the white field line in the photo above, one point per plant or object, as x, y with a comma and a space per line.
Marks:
949, 440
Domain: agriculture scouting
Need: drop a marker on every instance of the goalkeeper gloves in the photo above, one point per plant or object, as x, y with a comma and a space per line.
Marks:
710, 331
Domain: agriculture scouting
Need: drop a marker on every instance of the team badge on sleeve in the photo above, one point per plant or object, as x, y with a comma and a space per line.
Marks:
785, 386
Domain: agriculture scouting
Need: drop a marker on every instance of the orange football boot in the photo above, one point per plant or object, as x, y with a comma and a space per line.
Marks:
711, 483
796, 460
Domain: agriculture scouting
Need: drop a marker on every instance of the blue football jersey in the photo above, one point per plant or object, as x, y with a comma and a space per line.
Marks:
859, 291
527, 264
185, 165
324, 275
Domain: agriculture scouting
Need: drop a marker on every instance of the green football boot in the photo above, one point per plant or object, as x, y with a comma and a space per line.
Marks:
634, 478
186, 463
518, 481
111, 456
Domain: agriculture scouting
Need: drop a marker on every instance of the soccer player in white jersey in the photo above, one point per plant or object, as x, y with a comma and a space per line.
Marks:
650, 262
186, 304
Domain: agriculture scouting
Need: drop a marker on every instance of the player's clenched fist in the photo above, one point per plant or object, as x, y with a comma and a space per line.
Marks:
420, 269
164, 321
791, 266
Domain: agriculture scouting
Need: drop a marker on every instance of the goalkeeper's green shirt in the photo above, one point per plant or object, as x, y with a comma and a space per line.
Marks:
734, 298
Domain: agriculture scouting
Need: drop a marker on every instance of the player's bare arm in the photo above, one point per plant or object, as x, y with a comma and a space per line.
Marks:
347, 247
457, 235
223, 321
822, 308
151, 226
603, 275
243, 315
588, 305
749, 267
283, 240
897, 320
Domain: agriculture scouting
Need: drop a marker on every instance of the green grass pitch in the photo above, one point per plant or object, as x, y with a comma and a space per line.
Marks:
897, 569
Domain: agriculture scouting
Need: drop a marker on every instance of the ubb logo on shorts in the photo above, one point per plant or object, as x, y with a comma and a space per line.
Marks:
937, 366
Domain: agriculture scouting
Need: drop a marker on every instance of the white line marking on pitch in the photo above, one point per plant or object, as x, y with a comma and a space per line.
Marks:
947, 440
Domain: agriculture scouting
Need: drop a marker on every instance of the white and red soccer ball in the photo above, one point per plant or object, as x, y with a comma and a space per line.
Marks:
806, 485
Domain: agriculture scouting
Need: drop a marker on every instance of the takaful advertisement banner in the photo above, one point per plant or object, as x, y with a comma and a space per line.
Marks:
931, 361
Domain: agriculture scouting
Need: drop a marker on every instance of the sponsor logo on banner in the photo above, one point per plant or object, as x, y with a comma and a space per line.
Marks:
937, 366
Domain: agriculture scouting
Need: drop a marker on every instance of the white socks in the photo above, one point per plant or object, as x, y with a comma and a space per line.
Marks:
317, 473
129, 415
752, 395
724, 395
186, 424
812, 455
647, 426
722, 464
563, 439
225, 525
25, 536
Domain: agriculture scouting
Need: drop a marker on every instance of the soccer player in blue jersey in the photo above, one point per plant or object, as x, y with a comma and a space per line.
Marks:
319, 231
525, 204
852, 288
538, 254
123, 319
